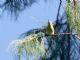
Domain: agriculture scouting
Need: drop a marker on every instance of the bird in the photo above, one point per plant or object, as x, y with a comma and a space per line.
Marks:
50, 28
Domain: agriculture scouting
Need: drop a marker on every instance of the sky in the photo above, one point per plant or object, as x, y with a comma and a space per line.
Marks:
34, 17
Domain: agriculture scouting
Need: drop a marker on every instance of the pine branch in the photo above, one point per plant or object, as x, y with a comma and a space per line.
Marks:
75, 7
77, 37
63, 34
59, 9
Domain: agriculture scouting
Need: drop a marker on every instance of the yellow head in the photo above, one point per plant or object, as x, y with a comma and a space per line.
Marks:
50, 28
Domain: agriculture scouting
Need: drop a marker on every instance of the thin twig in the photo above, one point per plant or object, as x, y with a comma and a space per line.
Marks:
62, 34
77, 37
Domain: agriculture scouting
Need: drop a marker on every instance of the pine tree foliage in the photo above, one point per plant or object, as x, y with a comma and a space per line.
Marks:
30, 45
14, 7
59, 47
73, 16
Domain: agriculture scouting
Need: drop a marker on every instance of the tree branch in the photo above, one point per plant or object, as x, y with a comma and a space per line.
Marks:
59, 9
62, 34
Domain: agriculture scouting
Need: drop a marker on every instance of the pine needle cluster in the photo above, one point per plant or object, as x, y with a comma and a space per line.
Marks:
30, 45
72, 19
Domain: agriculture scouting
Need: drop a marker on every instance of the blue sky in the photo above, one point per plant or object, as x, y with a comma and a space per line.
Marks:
33, 17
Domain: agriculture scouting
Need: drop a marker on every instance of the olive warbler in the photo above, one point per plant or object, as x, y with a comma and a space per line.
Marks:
50, 28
